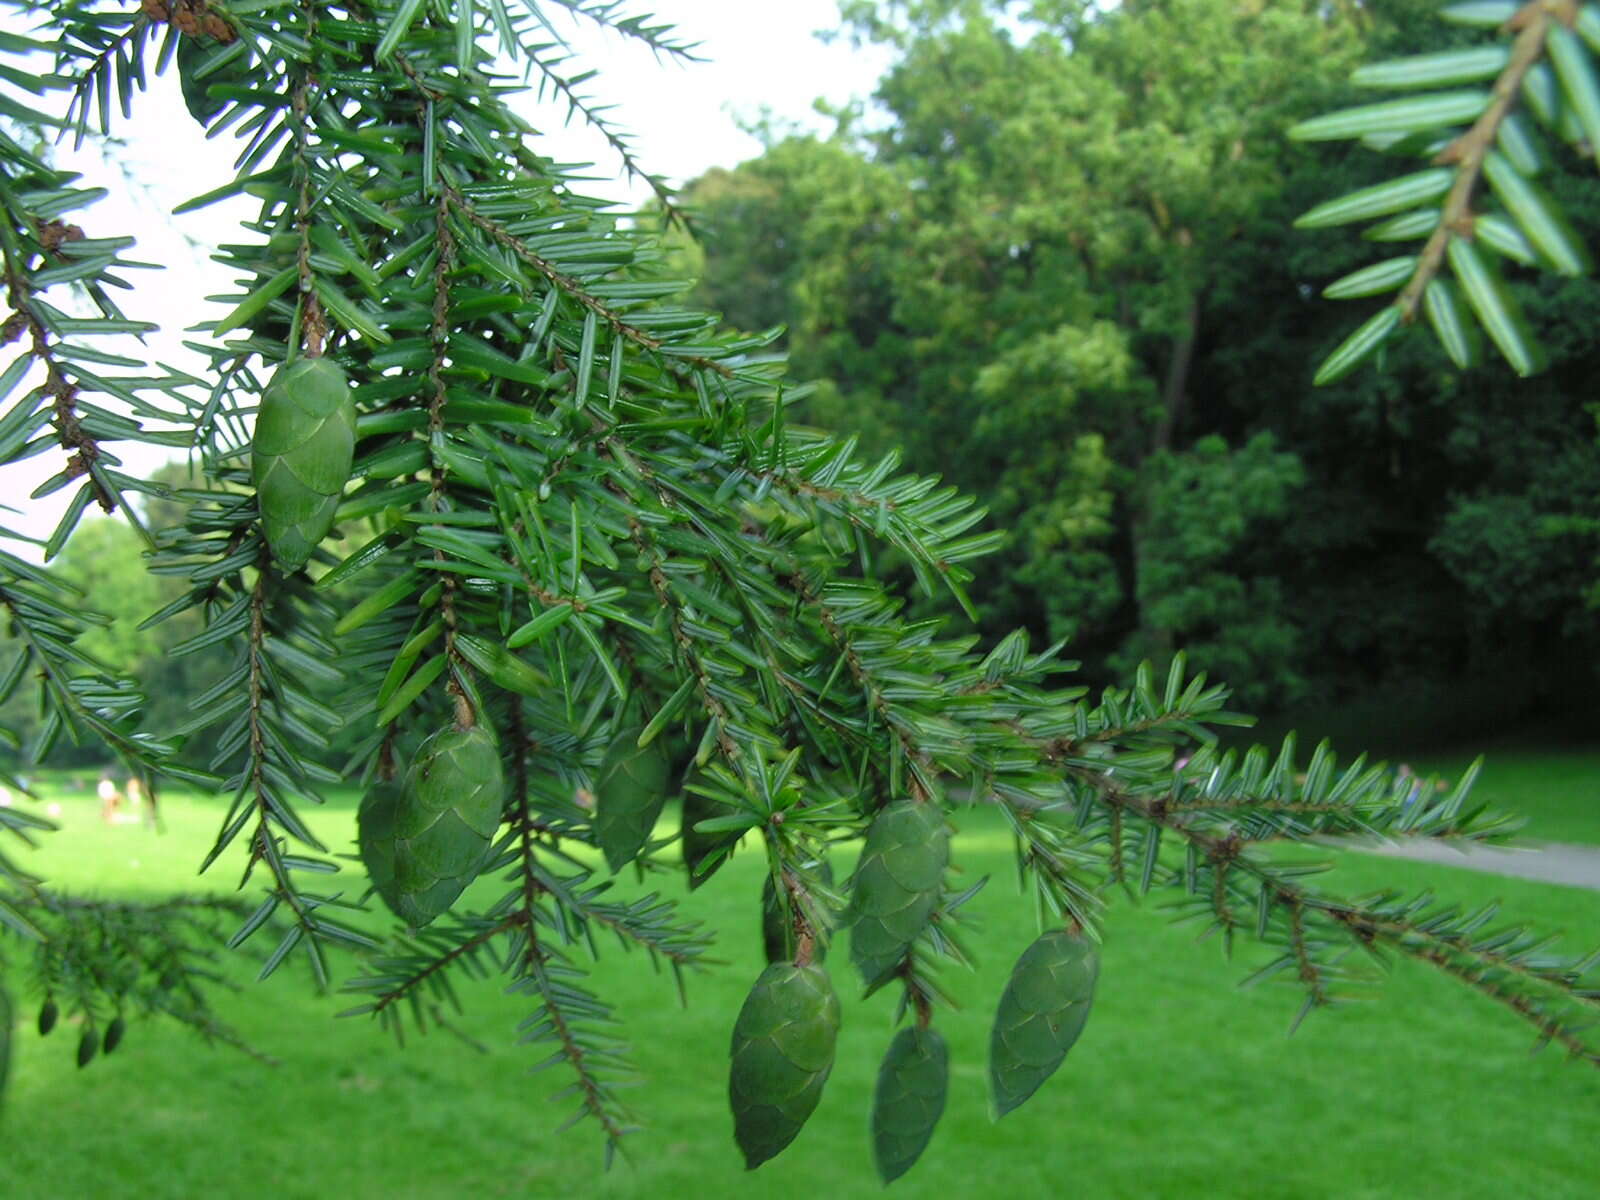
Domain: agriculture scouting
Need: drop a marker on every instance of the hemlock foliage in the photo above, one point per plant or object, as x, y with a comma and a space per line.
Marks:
583, 555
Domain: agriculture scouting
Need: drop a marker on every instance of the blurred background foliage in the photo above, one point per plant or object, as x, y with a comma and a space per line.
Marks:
1053, 260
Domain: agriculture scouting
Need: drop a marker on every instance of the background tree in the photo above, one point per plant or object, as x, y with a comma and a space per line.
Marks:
1001, 276
597, 563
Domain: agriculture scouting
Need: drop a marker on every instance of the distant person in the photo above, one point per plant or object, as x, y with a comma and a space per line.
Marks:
111, 799
144, 803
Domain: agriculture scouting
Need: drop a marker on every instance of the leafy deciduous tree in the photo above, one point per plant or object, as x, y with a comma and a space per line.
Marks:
984, 280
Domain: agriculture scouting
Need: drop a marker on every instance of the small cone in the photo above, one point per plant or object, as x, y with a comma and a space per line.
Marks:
783, 1045
375, 837
197, 91
423, 843
630, 789
1041, 1013
301, 454
909, 1099
897, 886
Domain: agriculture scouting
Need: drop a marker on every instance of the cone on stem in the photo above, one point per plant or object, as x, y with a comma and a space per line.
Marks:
429, 838
630, 789
783, 1043
897, 886
301, 453
909, 1099
1042, 1011
375, 838
197, 89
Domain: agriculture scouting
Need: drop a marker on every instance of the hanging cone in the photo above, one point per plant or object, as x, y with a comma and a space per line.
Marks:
630, 789
783, 1047
909, 1099
301, 454
1042, 1012
897, 886
423, 844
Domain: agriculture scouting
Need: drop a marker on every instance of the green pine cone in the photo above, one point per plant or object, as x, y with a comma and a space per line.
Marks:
301, 454
697, 847
444, 821
630, 788
897, 886
782, 1052
197, 91
1042, 1012
777, 929
375, 837
909, 1099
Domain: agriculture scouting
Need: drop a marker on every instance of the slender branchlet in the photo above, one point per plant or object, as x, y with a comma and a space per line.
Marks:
1466, 153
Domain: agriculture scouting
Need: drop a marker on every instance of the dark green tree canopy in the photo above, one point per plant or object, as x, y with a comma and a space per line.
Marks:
1064, 259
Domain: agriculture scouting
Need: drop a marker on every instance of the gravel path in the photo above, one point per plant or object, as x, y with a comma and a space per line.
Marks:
1548, 862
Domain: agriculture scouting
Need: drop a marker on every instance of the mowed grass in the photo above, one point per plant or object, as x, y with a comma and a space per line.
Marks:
1183, 1085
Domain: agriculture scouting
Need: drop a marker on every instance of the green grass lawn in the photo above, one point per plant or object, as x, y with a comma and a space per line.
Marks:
1182, 1085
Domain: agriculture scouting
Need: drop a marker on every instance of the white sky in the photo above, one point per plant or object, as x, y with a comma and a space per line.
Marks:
685, 119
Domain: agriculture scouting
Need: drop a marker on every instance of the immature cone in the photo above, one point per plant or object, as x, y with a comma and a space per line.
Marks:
782, 1052
909, 1099
1042, 1012
630, 788
697, 846
301, 454
897, 887
444, 821
197, 91
375, 837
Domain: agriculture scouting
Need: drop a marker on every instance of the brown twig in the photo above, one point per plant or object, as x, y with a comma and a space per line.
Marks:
439, 337
313, 325
82, 449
